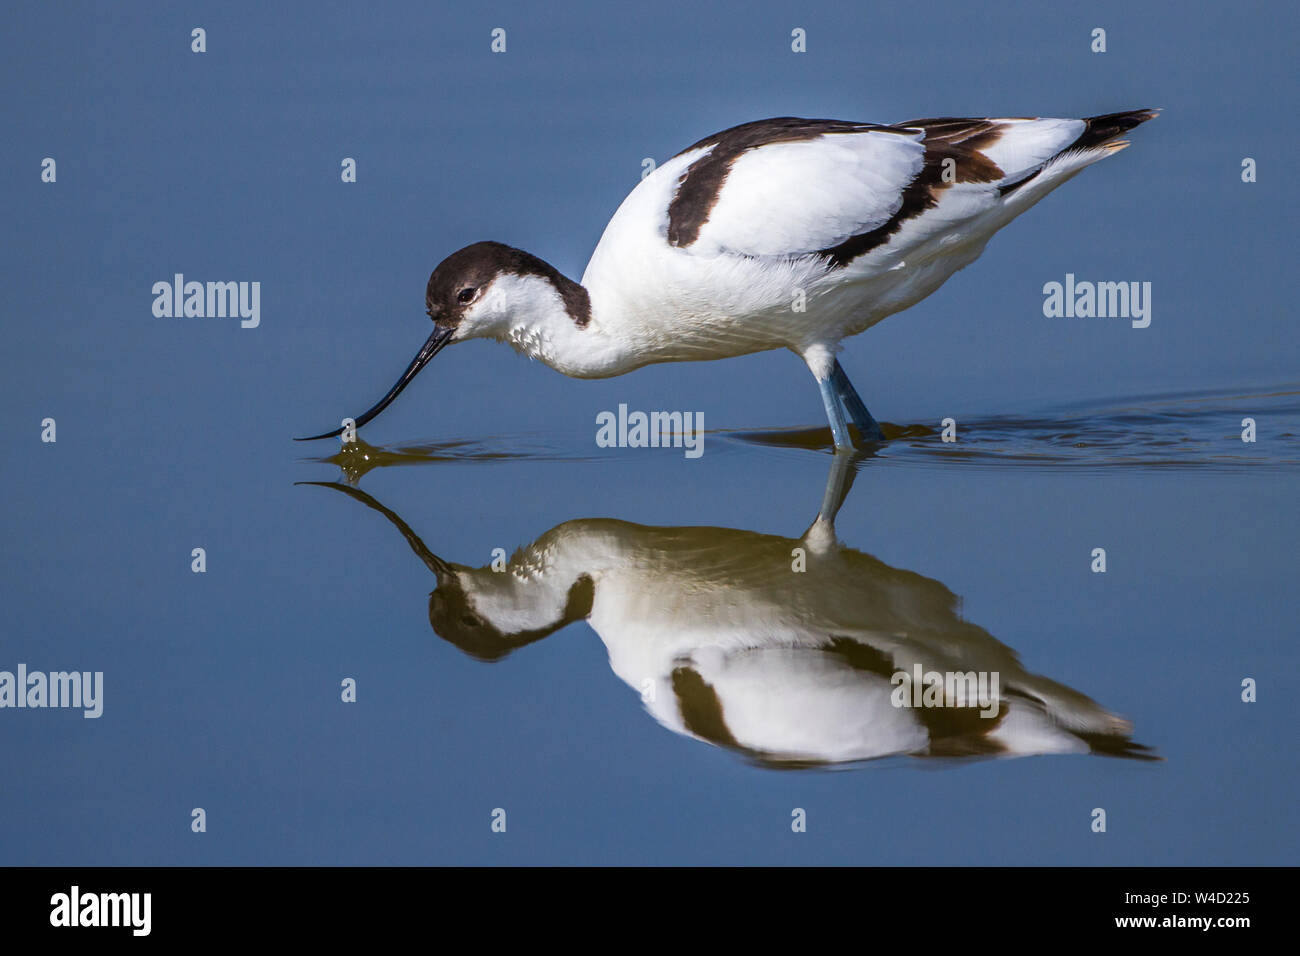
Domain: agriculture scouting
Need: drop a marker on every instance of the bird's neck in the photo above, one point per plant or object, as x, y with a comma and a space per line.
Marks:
556, 320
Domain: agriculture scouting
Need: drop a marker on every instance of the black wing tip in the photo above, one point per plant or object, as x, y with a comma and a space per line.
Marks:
1118, 745
1107, 126
1098, 128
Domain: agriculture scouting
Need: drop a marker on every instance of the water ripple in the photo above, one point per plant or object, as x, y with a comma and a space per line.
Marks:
1185, 430
1202, 430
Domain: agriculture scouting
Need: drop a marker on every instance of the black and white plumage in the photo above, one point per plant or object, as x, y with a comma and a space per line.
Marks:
782, 233
724, 644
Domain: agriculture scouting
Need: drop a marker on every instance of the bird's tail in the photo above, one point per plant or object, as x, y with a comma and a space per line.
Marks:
1041, 154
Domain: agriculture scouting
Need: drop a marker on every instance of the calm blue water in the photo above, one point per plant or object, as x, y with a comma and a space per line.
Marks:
222, 689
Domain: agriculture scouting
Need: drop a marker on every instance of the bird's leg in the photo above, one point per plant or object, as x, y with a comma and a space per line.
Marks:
835, 414
820, 358
853, 404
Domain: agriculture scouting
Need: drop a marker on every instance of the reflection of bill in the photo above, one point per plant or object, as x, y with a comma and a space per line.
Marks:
781, 649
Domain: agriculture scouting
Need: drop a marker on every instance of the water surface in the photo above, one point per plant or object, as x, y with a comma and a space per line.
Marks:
222, 690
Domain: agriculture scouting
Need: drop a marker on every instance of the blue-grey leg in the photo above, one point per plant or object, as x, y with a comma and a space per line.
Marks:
853, 404
834, 414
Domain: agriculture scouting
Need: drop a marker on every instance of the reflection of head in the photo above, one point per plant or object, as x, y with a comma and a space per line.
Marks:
454, 617
498, 617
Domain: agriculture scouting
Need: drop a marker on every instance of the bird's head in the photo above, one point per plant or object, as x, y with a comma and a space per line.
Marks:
474, 292
480, 292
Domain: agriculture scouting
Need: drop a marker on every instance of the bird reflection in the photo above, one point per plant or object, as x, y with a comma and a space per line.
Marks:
788, 651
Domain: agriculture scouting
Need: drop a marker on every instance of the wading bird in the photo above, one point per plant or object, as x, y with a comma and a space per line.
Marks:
781, 233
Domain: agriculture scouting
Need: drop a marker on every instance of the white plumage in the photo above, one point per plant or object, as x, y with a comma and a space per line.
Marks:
784, 233
792, 199
731, 291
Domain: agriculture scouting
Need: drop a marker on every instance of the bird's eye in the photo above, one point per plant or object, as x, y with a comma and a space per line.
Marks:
464, 295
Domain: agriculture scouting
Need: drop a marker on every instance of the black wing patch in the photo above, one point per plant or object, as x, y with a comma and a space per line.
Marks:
700, 185
954, 153
957, 140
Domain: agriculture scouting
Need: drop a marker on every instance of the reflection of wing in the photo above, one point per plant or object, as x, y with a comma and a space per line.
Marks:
795, 669
790, 707
790, 187
803, 706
